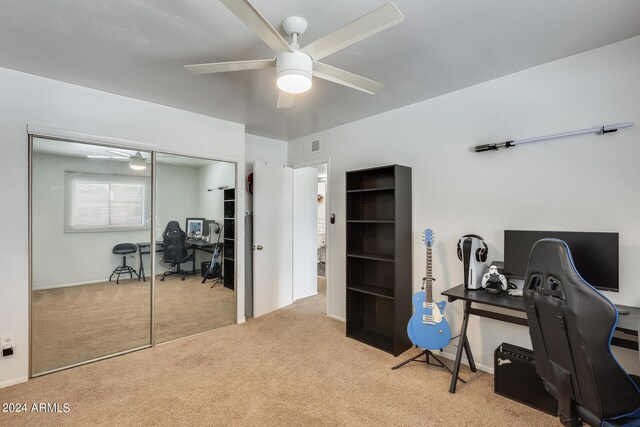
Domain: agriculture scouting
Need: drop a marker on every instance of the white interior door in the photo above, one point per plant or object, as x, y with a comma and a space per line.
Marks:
272, 237
305, 232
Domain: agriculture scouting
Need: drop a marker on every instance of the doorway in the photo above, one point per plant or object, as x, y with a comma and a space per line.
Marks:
322, 230
285, 236
321, 233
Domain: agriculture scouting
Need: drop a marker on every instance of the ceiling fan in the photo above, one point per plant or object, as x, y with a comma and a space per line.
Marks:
136, 161
295, 65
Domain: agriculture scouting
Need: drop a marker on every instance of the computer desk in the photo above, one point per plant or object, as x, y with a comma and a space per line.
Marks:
626, 334
144, 248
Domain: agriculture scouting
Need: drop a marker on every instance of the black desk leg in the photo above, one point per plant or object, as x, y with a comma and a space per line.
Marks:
462, 344
141, 270
467, 350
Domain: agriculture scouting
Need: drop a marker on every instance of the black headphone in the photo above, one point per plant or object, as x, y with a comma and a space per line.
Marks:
481, 253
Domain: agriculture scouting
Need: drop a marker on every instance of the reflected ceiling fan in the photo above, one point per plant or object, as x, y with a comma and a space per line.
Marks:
295, 65
136, 161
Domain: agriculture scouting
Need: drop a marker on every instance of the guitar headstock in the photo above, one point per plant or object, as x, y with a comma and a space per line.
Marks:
427, 237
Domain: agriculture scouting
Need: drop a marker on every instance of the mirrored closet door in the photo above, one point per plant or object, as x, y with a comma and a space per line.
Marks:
195, 231
92, 261
90, 212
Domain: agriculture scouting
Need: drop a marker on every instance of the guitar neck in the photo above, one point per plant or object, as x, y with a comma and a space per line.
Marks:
429, 283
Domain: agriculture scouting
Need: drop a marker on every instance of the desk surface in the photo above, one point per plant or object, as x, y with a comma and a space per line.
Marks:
628, 322
145, 244
199, 243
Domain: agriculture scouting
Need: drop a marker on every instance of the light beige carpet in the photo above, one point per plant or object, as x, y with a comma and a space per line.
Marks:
322, 285
292, 367
80, 323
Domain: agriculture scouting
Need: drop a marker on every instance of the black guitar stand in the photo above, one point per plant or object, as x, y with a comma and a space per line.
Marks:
215, 281
428, 354
208, 275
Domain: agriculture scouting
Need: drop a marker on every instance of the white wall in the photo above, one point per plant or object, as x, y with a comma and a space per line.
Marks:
586, 183
31, 100
178, 196
64, 259
218, 174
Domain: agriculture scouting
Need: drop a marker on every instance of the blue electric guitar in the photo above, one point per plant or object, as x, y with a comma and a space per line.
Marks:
427, 328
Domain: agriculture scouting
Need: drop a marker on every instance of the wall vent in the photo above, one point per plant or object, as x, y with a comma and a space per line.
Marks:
312, 147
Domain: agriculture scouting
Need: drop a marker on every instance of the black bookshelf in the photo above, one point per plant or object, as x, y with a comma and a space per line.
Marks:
379, 257
228, 261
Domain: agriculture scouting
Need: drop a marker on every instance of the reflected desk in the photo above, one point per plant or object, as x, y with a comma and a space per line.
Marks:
626, 333
145, 249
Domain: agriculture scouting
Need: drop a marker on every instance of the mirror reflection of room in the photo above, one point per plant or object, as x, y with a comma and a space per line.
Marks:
195, 234
90, 205
91, 254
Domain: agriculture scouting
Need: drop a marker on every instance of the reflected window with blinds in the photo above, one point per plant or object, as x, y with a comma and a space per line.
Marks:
101, 202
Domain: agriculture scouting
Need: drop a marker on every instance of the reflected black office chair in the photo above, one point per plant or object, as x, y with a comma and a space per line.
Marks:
124, 249
175, 249
571, 325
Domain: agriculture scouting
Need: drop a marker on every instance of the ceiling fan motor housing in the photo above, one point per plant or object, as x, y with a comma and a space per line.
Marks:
294, 71
294, 25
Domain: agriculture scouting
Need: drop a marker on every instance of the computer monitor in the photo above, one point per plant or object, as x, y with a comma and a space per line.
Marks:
595, 255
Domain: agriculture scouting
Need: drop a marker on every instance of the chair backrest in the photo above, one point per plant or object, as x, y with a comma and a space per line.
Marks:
571, 325
175, 243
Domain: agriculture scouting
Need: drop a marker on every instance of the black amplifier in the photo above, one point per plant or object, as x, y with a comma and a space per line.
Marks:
516, 378
204, 268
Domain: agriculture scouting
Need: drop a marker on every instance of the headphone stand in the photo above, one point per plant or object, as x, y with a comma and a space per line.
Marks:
428, 354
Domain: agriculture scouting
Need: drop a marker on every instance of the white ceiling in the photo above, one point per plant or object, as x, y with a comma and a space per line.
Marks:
137, 48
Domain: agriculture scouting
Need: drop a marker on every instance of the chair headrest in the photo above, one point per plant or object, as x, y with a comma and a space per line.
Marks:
552, 256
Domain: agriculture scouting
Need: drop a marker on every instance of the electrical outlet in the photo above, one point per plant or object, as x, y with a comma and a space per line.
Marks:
7, 344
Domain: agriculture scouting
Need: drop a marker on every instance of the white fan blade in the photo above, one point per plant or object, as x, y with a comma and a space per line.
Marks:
248, 14
285, 99
345, 78
363, 27
91, 156
223, 67
119, 153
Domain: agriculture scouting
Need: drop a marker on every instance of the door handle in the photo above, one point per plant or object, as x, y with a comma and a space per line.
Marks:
259, 247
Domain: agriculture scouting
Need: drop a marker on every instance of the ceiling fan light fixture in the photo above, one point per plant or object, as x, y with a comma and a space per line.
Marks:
294, 81
294, 72
137, 162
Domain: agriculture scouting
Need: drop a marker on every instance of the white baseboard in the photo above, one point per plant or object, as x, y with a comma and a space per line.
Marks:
465, 362
13, 381
88, 282
67, 285
306, 296
341, 319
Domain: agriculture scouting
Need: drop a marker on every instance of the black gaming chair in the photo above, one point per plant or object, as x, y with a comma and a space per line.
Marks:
174, 250
571, 325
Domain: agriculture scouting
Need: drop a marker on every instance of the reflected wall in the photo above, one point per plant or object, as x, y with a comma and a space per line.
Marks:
86, 200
